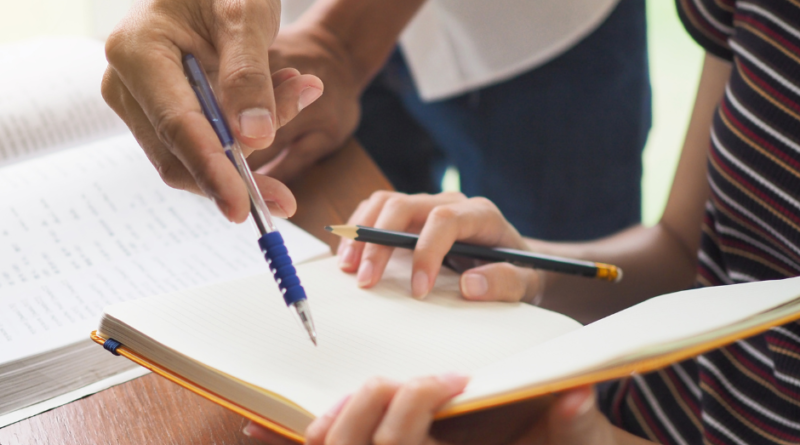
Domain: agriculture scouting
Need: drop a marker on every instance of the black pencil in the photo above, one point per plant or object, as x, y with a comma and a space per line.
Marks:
607, 272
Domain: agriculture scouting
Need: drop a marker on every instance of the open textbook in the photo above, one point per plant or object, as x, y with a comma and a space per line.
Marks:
85, 222
226, 341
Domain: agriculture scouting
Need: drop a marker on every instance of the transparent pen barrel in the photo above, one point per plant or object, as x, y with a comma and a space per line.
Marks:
258, 208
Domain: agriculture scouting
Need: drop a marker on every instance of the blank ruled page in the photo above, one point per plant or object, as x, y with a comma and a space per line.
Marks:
243, 329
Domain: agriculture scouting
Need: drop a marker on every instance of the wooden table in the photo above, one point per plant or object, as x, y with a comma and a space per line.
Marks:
150, 410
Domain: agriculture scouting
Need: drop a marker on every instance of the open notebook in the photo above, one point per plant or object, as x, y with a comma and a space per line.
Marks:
231, 343
85, 222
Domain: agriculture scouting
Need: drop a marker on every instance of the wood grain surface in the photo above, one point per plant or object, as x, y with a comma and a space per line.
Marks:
151, 410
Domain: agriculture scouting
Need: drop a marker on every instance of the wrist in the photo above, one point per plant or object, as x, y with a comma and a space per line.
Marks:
335, 49
366, 30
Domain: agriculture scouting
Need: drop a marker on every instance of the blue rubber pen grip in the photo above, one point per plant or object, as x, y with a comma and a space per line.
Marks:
280, 265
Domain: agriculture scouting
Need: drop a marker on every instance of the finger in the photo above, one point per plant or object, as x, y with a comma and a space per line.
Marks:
172, 109
400, 212
244, 79
366, 213
345, 251
411, 411
476, 220
278, 197
258, 432
295, 94
318, 429
282, 75
501, 282
362, 414
259, 158
575, 419
298, 156
169, 167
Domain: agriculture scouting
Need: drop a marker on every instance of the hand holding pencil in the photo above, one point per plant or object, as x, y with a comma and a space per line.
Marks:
447, 222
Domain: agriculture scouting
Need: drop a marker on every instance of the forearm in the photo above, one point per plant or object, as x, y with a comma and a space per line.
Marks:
652, 260
367, 30
658, 259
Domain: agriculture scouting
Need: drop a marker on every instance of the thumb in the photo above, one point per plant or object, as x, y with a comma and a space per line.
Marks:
501, 282
244, 80
575, 420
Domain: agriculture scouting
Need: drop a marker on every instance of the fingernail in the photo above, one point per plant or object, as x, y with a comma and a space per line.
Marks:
455, 381
474, 285
419, 284
347, 258
256, 123
365, 273
307, 97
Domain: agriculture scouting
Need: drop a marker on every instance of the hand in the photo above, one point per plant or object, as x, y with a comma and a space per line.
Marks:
440, 220
323, 127
383, 411
146, 86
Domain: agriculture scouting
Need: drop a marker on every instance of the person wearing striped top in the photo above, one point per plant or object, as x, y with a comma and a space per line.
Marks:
733, 216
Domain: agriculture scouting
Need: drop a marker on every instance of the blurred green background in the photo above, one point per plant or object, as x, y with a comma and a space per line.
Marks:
674, 66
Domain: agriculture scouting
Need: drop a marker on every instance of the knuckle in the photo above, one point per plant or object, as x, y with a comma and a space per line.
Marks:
443, 213
419, 387
483, 202
110, 88
247, 9
115, 45
396, 203
168, 127
244, 74
169, 174
457, 196
381, 195
378, 385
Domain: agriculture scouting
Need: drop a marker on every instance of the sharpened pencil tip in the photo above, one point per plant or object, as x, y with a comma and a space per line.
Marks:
329, 228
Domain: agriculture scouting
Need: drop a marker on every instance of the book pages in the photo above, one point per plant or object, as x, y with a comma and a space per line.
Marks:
243, 330
658, 325
95, 225
50, 97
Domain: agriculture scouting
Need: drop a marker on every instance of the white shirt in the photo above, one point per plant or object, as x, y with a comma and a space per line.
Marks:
453, 46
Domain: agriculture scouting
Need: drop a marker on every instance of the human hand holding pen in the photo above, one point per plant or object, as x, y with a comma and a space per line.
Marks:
146, 86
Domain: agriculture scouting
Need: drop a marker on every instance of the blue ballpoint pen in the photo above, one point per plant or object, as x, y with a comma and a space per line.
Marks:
271, 242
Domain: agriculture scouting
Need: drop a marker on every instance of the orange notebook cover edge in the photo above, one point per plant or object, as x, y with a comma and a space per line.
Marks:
219, 400
639, 367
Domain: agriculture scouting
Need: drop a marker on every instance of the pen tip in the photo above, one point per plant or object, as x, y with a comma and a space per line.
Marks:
329, 228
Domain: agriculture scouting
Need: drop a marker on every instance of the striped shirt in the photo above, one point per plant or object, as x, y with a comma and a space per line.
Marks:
747, 392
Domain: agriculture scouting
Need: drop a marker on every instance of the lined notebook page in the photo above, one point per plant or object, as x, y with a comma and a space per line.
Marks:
50, 97
94, 225
659, 324
243, 329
